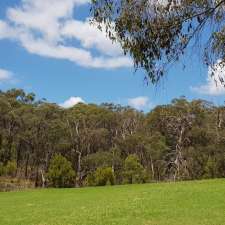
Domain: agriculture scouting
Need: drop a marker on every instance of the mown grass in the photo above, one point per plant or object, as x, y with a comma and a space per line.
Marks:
184, 203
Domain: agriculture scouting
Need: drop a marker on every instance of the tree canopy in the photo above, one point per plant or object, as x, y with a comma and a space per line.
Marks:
157, 33
109, 144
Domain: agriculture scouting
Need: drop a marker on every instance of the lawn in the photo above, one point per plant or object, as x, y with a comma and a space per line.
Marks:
184, 203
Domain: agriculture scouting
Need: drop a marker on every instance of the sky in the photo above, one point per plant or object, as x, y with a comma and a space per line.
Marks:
49, 47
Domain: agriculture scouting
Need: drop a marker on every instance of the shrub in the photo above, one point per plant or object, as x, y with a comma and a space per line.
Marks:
2, 169
14, 184
61, 173
10, 168
104, 176
90, 180
210, 170
134, 171
101, 177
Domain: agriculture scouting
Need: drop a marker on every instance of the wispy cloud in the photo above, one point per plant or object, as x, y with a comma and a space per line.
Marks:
5, 76
140, 103
214, 85
47, 28
72, 101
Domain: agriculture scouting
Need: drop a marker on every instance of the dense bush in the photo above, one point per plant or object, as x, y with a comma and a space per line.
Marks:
2, 169
90, 180
61, 173
9, 169
101, 177
14, 184
104, 176
134, 171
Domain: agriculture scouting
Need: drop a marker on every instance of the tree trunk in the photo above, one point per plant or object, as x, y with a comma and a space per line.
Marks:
36, 177
78, 177
26, 166
152, 169
43, 179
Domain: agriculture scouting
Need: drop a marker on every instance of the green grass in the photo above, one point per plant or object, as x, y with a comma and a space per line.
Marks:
185, 203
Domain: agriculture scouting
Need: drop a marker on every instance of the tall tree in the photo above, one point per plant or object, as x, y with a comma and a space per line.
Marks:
157, 33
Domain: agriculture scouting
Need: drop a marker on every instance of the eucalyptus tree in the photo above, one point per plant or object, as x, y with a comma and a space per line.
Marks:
11, 103
156, 150
84, 127
174, 122
40, 135
181, 140
157, 33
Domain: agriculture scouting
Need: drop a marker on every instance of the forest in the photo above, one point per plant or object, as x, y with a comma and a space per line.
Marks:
95, 145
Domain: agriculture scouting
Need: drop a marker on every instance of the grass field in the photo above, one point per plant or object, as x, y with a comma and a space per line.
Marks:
185, 203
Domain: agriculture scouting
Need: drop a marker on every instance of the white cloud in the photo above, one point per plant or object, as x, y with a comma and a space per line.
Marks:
43, 15
140, 102
214, 84
72, 101
46, 27
5, 75
91, 37
73, 54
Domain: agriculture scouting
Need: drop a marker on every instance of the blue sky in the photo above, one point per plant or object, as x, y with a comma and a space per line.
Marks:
55, 53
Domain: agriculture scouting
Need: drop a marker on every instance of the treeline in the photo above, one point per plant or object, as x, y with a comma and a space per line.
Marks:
109, 144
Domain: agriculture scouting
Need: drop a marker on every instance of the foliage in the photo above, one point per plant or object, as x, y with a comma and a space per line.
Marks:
14, 184
101, 177
9, 169
2, 169
133, 170
99, 159
183, 140
90, 180
104, 176
156, 33
61, 173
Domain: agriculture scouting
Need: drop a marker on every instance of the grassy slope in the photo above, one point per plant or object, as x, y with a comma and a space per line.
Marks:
186, 203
